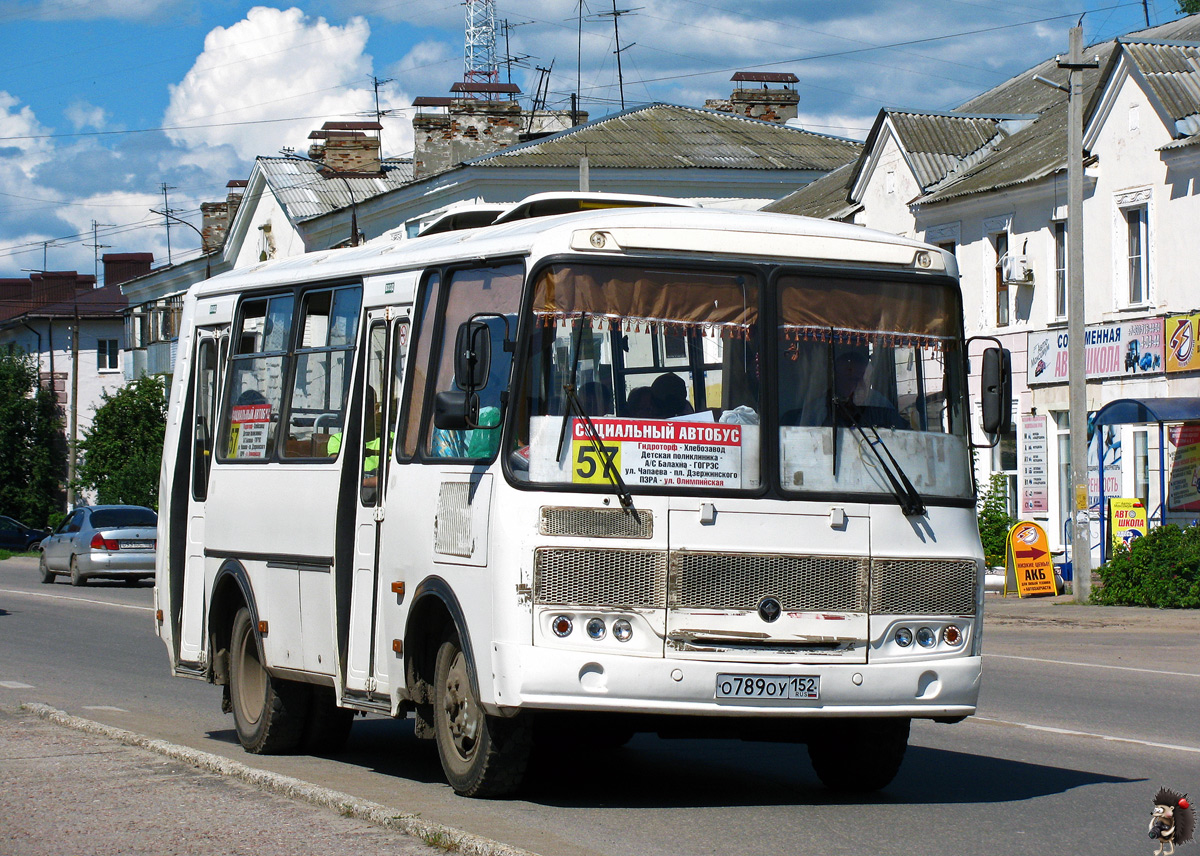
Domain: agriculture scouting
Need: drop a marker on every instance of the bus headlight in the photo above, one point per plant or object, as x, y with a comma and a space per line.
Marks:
622, 630
561, 625
595, 628
926, 638
904, 637
952, 636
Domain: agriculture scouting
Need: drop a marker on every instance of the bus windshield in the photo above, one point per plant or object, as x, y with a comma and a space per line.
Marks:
664, 363
870, 363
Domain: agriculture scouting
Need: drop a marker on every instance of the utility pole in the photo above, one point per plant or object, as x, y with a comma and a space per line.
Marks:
73, 440
1081, 541
166, 219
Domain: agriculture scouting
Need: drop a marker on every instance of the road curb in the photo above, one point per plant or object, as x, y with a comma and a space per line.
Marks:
436, 834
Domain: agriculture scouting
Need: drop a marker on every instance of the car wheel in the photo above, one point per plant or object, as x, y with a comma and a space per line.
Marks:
268, 713
482, 755
859, 755
77, 579
47, 574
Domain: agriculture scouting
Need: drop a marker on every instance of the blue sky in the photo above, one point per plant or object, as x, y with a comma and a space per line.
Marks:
104, 101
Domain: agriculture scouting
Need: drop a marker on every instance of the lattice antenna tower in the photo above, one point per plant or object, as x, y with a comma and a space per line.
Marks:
480, 58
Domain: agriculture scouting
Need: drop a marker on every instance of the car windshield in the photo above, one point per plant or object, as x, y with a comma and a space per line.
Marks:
664, 365
116, 518
870, 363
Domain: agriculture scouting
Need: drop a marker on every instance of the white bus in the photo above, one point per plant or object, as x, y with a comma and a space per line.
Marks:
587, 471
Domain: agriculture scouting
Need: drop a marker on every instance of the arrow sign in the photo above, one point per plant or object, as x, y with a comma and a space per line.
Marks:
1032, 553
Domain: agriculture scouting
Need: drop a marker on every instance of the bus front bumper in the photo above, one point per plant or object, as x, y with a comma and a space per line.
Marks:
527, 676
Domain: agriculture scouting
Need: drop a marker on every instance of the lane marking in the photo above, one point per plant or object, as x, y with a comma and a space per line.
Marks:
15, 685
79, 599
105, 707
1094, 665
1067, 732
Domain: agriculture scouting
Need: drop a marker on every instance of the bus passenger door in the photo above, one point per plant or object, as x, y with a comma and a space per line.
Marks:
205, 376
366, 668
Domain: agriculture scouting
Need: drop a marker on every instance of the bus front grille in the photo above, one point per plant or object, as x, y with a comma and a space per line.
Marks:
742, 580
595, 522
586, 577
923, 586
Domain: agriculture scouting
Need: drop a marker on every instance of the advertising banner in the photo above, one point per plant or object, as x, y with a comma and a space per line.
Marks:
1030, 569
248, 430
1126, 520
1184, 490
1035, 473
1121, 349
1182, 353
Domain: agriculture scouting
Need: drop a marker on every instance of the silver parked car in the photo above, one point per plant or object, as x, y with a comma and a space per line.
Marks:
115, 541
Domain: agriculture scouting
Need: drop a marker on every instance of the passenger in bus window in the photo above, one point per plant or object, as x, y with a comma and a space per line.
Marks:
596, 398
639, 404
859, 402
668, 396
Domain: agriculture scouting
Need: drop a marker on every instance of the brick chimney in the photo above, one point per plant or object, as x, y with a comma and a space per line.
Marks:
763, 102
218, 216
346, 147
468, 126
122, 267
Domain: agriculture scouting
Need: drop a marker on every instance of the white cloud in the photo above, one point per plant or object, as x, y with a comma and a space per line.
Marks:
83, 115
23, 135
270, 79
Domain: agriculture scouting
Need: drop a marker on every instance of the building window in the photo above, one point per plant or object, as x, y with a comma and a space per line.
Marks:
106, 355
1000, 241
1135, 227
1066, 492
1060, 269
1141, 467
1004, 460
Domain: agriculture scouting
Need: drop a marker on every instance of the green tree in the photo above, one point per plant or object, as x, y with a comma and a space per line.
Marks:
994, 520
1189, 7
121, 453
33, 447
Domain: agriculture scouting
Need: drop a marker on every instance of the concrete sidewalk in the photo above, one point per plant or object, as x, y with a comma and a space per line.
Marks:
69, 786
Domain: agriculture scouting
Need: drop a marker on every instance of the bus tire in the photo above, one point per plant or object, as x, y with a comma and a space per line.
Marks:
268, 713
327, 727
481, 755
859, 755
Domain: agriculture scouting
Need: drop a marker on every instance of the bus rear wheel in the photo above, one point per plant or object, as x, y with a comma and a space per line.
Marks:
858, 755
268, 713
481, 755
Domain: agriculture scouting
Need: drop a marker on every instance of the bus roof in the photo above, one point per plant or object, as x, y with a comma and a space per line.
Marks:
671, 231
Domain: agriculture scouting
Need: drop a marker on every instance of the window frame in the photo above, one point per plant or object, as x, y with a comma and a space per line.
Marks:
1136, 226
108, 355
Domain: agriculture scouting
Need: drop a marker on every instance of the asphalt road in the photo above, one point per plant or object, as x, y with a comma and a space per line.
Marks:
1086, 711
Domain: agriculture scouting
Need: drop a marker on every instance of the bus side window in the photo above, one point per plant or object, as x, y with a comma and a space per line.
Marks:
204, 407
494, 293
324, 355
258, 368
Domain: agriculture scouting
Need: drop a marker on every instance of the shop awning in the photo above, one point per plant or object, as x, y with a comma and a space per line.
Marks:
1135, 411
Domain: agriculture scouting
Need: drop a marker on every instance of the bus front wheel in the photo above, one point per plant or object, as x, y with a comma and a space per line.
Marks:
858, 755
268, 713
481, 755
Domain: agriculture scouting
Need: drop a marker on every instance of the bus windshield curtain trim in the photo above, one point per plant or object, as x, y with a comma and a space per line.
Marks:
640, 324
848, 336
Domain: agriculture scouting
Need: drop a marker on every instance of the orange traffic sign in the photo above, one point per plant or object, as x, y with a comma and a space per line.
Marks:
1029, 570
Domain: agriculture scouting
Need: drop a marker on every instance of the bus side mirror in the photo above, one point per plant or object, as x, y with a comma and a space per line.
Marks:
456, 411
996, 391
472, 355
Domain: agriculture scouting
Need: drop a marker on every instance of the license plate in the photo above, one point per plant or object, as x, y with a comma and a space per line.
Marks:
769, 686
136, 545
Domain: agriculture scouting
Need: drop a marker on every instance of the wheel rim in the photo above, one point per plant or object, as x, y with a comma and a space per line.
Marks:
251, 689
462, 713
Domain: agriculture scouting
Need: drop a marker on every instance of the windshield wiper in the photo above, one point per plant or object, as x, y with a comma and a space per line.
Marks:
906, 495
573, 404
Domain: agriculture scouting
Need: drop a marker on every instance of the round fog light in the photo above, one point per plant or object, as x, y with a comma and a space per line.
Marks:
903, 637
561, 625
595, 628
623, 630
926, 638
952, 635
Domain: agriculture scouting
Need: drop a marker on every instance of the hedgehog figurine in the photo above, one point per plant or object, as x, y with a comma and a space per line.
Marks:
1172, 822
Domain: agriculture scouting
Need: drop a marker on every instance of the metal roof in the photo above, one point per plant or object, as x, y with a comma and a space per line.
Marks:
304, 192
1172, 72
665, 136
826, 198
936, 144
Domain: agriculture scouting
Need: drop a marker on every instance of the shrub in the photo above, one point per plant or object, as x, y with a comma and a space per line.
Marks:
994, 520
1160, 570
